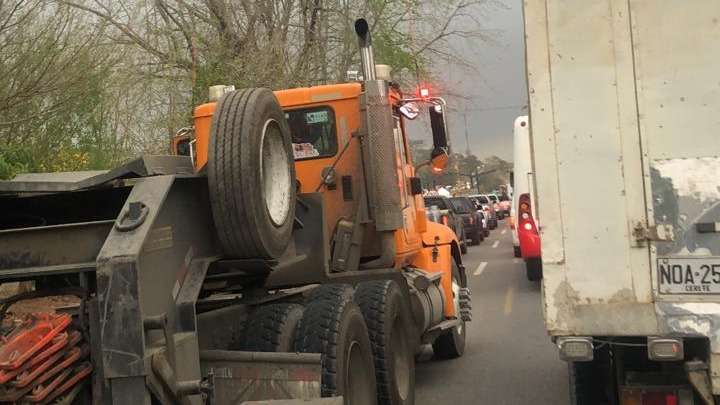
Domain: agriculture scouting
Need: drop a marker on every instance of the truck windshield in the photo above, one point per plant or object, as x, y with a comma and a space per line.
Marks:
313, 132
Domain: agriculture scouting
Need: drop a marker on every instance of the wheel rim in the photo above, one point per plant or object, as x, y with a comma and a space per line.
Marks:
275, 173
358, 382
456, 304
401, 361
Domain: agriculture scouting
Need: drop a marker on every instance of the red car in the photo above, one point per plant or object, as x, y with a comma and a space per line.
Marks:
529, 237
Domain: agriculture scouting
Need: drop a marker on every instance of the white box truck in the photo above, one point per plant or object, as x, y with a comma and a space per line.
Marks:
625, 128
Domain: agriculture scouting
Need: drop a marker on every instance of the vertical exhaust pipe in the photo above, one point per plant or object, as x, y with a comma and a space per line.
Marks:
381, 170
367, 57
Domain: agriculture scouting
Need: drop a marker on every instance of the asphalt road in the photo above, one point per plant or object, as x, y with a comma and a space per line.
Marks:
509, 358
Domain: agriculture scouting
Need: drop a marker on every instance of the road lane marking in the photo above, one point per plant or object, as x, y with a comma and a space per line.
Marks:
516, 260
503, 232
497, 242
509, 300
480, 268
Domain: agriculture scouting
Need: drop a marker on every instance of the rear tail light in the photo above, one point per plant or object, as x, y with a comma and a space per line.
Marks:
445, 220
525, 218
656, 396
472, 220
665, 349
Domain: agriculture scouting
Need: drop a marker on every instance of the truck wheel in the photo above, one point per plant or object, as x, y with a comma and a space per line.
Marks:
271, 328
251, 175
516, 251
451, 344
533, 269
333, 326
388, 319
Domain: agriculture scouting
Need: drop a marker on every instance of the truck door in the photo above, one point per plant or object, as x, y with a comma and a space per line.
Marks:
404, 168
678, 92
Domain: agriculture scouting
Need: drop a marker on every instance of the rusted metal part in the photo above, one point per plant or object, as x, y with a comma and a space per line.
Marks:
180, 390
697, 372
316, 401
56, 249
255, 376
699, 319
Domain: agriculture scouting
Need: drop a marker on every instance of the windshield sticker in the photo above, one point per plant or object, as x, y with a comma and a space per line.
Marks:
317, 117
304, 150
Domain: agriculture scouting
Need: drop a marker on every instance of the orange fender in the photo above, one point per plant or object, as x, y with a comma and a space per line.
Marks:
440, 248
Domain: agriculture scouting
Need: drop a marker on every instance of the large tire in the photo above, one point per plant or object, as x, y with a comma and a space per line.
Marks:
271, 328
516, 251
333, 326
533, 269
451, 344
387, 316
251, 175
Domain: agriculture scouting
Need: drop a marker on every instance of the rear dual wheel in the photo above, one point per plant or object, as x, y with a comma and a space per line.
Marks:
271, 328
333, 326
388, 319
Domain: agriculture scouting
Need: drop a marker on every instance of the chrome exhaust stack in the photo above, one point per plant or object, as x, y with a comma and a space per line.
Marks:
367, 57
379, 150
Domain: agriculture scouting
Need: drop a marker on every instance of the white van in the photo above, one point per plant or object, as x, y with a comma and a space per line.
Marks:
522, 171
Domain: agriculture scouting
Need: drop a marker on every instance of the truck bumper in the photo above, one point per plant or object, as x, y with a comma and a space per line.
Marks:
529, 245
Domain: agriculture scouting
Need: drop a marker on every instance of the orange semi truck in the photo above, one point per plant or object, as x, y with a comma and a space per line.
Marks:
287, 257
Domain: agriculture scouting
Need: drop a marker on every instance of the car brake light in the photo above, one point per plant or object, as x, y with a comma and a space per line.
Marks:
445, 220
659, 398
472, 220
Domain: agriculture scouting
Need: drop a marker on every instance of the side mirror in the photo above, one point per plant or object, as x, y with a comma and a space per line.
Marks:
439, 128
410, 111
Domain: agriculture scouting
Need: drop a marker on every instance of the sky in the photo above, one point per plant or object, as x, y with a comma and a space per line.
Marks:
494, 91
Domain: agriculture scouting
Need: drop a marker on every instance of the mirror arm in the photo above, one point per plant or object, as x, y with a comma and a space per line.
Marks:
432, 100
423, 164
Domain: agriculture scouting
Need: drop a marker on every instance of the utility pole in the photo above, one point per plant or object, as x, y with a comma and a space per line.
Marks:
467, 137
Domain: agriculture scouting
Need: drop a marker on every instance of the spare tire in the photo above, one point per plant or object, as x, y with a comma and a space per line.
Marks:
251, 175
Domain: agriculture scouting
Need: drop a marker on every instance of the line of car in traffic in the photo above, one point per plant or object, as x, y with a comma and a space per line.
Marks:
470, 217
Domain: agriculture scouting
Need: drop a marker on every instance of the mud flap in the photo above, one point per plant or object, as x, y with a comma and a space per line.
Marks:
264, 378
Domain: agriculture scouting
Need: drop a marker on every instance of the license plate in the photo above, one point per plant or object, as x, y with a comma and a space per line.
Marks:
689, 275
